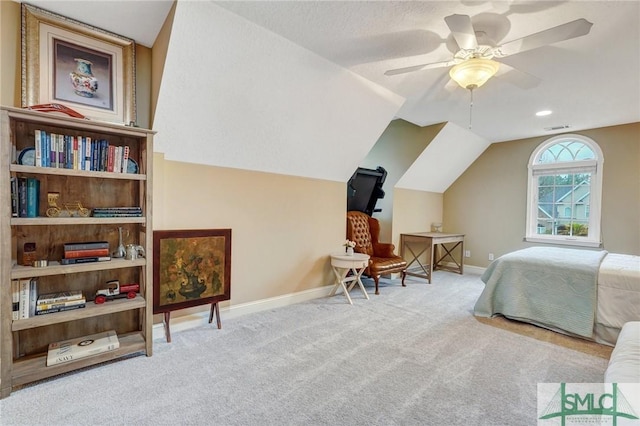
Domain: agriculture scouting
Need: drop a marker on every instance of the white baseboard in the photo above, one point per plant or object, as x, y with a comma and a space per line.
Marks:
476, 270
186, 322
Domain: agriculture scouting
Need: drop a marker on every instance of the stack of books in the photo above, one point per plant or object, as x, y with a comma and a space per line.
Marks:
58, 302
91, 251
24, 296
82, 347
117, 212
25, 197
79, 153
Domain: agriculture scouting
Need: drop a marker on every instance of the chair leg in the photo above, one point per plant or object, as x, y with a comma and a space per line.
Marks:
404, 275
375, 279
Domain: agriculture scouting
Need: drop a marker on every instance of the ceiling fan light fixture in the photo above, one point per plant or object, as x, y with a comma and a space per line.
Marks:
474, 72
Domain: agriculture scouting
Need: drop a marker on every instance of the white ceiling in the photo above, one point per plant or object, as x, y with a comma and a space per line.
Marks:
140, 20
588, 82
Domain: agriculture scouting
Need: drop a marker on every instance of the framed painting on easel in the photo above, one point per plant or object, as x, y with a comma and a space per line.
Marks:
191, 268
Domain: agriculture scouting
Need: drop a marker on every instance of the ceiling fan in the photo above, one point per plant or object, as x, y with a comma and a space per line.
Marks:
473, 64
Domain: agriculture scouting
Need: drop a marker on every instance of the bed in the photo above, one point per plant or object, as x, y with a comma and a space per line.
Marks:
585, 293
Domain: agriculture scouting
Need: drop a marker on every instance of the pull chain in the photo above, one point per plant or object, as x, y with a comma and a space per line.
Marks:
470, 106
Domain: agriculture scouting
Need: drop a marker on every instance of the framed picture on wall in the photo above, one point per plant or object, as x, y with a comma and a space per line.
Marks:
191, 268
87, 69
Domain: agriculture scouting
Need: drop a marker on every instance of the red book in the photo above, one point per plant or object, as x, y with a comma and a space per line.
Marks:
111, 153
75, 254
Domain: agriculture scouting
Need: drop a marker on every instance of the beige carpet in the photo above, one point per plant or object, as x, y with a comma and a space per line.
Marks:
542, 334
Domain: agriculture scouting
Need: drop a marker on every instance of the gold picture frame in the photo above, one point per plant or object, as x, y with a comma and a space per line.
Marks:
87, 69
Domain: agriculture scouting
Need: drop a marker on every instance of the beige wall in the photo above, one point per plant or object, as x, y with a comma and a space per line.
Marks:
283, 227
160, 47
396, 150
488, 202
415, 211
10, 26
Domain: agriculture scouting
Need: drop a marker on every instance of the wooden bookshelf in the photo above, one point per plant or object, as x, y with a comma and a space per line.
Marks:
24, 342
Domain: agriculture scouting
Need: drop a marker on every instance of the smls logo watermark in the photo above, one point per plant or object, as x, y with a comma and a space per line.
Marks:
592, 404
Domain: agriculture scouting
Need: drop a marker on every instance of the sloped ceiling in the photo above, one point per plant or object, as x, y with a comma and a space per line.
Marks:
139, 20
235, 95
448, 155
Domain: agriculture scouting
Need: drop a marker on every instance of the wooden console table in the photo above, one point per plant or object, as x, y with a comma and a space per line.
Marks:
424, 243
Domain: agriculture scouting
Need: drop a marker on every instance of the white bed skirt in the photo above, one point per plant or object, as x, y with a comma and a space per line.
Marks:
618, 296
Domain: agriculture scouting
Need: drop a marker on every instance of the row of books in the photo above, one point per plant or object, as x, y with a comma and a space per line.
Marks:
85, 252
25, 196
27, 303
79, 153
82, 347
117, 212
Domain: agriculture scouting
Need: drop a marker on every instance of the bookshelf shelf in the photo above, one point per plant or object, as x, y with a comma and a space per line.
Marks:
24, 342
49, 221
35, 368
20, 271
78, 173
91, 310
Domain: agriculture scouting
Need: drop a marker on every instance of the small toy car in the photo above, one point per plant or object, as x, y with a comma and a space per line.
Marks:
116, 291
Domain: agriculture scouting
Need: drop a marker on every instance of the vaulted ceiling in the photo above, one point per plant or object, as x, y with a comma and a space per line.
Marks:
299, 87
590, 81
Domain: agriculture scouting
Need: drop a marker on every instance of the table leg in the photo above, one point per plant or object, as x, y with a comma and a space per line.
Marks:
215, 309
359, 280
416, 258
167, 332
340, 283
431, 256
414, 270
462, 257
448, 252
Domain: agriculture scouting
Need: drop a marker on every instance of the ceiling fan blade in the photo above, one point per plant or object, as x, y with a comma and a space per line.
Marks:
462, 31
567, 31
516, 77
420, 67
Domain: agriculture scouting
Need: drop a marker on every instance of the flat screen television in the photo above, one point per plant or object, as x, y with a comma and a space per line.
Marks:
364, 189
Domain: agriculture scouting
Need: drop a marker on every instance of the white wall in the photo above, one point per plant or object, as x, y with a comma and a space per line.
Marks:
254, 100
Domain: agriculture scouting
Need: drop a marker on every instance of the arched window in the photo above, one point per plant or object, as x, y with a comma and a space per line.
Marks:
565, 192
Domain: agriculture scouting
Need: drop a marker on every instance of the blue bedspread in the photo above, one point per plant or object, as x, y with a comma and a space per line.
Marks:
548, 286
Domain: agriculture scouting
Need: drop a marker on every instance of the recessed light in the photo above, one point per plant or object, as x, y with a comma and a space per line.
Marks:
543, 113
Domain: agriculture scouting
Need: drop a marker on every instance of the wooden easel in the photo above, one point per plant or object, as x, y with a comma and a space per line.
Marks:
167, 318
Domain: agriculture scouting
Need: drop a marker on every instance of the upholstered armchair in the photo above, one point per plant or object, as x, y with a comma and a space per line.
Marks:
365, 230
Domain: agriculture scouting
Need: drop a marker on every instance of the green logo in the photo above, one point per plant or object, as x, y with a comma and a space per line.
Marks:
587, 403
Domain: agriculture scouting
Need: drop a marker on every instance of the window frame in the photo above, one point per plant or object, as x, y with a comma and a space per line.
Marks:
595, 197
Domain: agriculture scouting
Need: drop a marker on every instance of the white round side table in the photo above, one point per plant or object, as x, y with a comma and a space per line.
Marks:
342, 264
